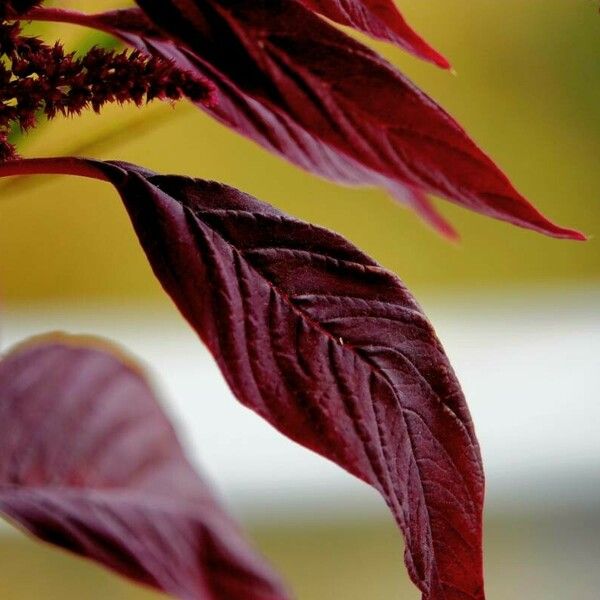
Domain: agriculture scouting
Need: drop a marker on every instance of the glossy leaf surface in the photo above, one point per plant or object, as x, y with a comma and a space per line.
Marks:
345, 96
89, 462
329, 348
380, 19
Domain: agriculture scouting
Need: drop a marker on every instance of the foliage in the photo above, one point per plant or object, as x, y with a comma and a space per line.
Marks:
309, 332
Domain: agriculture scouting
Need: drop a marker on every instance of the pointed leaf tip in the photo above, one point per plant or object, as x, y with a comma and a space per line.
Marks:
379, 19
308, 92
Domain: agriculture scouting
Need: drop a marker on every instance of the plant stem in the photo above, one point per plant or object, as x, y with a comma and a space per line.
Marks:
65, 15
51, 166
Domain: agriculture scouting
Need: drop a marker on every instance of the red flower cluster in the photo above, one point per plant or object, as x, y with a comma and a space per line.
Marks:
37, 78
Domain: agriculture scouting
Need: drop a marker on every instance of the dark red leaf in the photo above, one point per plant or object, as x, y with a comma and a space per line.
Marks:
278, 58
89, 462
268, 121
329, 348
380, 19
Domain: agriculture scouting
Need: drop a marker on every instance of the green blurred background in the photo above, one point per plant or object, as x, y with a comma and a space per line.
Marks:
527, 89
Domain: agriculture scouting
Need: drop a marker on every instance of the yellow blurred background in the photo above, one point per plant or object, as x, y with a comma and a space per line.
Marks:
527, 89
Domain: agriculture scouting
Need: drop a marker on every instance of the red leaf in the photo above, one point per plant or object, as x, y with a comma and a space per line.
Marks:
380, 19
282, 57
269, 122
329, 348
89, 462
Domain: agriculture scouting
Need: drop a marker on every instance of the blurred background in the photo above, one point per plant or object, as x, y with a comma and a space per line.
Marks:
517, 312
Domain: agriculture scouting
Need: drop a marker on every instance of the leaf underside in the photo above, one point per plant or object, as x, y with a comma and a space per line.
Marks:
306, 91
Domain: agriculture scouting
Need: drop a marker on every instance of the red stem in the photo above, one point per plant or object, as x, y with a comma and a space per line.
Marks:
65, 15
51, 166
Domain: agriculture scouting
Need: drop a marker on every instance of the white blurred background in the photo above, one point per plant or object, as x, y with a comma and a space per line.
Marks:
529, 366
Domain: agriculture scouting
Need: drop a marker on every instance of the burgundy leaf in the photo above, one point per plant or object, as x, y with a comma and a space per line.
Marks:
89, 462
328, 347
380, 19
359, 148
347, 97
